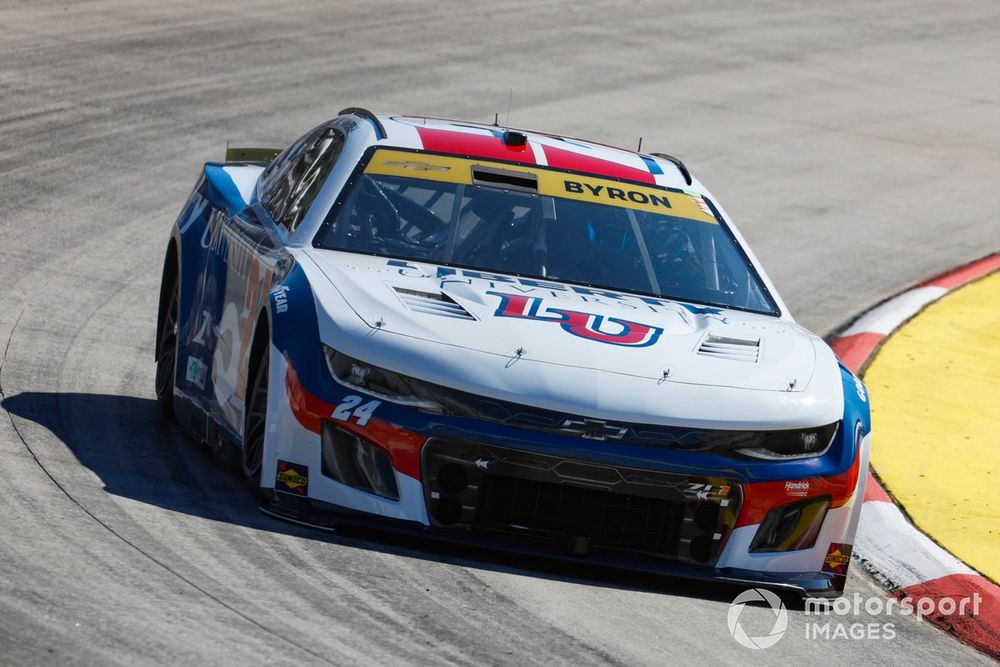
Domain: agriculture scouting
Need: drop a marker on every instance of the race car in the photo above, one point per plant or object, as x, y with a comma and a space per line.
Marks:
513, 339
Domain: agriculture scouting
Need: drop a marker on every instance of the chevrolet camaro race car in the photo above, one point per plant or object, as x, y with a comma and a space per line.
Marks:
513, 339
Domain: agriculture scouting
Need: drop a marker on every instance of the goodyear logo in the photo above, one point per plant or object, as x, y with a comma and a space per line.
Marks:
292, 478
448, 169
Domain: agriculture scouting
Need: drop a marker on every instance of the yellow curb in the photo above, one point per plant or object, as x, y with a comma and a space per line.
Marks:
935, 390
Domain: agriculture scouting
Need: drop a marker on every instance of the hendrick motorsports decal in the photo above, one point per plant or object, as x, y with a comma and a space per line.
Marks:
292, 478
610, 330
800, 488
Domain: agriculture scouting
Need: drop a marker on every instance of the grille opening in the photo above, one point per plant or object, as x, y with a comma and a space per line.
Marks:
576, 507
356, 462
701, 548
615, 520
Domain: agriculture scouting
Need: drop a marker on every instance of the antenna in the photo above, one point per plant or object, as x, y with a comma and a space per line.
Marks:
496, 120
640, 145
510, 99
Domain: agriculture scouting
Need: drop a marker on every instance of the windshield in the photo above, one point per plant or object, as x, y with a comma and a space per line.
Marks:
543, 223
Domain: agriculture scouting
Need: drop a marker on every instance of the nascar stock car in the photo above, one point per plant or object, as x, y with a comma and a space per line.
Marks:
513, 339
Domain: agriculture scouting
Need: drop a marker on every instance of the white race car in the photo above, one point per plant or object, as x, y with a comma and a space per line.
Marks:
513, 339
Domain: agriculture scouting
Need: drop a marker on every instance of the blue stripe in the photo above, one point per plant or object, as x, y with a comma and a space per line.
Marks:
222, 191
651, 164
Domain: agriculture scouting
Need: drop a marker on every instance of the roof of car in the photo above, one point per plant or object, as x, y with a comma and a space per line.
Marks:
495, 142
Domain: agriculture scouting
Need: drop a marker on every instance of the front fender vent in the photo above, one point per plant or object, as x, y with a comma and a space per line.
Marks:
432, 303
733, 349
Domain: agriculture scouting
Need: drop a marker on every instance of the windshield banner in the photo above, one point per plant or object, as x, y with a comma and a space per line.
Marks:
552, 183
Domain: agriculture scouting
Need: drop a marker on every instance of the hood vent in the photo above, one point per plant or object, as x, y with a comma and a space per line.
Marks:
432, 303
734, 349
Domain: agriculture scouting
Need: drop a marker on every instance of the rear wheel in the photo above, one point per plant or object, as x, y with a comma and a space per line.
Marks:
166, 354
255, 424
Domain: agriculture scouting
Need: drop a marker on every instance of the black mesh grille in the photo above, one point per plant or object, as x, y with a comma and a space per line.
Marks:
576, 505
608, 519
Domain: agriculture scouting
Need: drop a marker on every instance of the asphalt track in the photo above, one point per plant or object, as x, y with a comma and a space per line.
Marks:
856, 145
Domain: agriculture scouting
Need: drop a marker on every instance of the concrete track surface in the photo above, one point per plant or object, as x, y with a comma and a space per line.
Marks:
856, 145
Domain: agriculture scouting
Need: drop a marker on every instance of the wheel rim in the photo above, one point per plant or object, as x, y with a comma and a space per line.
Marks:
256, 422
166, 357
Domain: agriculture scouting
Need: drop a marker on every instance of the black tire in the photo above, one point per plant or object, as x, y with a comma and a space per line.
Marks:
166, 354
255, 423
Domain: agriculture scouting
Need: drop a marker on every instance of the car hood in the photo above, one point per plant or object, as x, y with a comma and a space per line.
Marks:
574, 326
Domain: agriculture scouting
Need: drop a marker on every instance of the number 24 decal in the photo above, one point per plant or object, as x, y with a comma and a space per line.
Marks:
351, 405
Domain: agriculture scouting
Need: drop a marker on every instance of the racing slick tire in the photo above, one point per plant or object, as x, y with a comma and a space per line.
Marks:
255, 421
166, 345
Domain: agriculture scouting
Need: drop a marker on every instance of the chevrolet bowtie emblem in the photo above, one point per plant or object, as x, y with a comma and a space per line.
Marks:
593, 429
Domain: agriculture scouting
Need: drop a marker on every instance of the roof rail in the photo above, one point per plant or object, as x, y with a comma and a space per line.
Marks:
677, 163
367, 115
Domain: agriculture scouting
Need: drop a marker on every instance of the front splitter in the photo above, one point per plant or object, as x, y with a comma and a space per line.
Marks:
325, 516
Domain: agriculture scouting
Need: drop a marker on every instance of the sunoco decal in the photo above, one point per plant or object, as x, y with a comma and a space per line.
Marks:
838, 557
292, 478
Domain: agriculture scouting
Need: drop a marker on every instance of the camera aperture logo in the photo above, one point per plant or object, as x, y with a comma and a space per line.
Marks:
849, 617
780, 618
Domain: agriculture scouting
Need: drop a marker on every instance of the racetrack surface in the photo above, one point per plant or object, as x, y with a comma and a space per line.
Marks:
856, 146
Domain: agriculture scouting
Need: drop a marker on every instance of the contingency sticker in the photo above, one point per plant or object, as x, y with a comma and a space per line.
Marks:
292, 478
197, 372
838, 557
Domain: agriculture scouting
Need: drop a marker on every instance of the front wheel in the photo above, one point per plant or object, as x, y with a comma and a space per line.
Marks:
255, 424
166, 355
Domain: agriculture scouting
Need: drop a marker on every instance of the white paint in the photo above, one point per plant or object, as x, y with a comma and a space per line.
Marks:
892, 547
244, 178
567, 372
884, 319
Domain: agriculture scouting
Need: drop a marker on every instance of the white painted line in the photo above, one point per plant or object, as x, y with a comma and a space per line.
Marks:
897, 551
886, 318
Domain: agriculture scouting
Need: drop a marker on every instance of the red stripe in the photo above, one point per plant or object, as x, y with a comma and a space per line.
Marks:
981, 630
402, 446
966, 274
762, 497
464, 143
874, 491
560, 159
855, 350
309, 410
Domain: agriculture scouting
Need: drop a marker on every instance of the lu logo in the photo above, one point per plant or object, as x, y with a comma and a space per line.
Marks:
585, 325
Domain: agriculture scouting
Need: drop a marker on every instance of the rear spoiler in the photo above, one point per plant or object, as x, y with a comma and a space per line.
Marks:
240, 151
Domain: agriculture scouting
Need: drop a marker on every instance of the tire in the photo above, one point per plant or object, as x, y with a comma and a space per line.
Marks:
255, 423
166, 354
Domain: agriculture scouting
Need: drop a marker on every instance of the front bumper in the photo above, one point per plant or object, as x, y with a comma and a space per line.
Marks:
325, 516
509, 489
